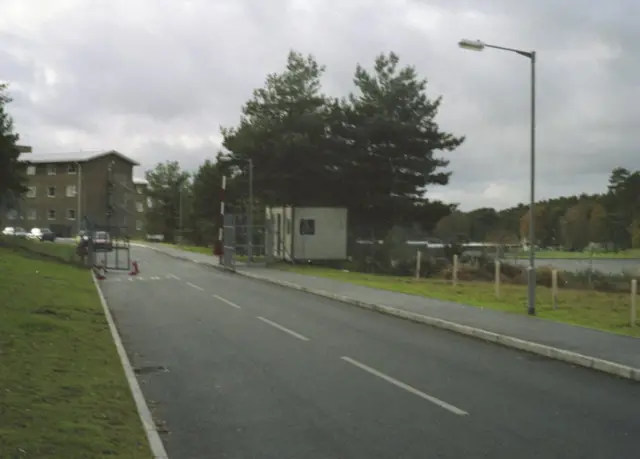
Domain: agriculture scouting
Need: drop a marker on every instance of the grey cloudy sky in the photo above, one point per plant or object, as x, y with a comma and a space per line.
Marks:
156, 78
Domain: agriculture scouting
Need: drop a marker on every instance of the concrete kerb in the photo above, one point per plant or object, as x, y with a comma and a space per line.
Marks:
605, 366
153, 437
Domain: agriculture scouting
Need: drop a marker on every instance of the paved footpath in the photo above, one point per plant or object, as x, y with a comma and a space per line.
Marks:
609, 352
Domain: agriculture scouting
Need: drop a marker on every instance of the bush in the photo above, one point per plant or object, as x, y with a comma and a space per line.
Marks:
468, 273
544, 276
511, 271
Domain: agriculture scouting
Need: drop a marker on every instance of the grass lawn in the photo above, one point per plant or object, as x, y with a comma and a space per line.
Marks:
63, 393
60, 251
553, 254
604, 311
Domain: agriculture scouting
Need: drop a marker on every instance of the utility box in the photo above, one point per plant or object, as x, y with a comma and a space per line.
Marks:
308, 233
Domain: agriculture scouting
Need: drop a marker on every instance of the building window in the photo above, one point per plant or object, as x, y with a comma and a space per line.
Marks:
31, 214
72, 169
31, 170
138, 225
71, 191
307, 226
51, 169
51, 191
71, 214
139, 206
12, 214
31, 192
51, 214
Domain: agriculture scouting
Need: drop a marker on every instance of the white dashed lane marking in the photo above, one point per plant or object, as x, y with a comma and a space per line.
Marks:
195, 286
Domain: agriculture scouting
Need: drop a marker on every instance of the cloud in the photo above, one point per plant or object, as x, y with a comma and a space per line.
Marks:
156, 79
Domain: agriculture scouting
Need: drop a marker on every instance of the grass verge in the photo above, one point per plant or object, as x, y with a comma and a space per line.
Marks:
604, 311
54, 251
63, 392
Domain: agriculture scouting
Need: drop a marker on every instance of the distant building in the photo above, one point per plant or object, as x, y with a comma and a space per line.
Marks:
64, 189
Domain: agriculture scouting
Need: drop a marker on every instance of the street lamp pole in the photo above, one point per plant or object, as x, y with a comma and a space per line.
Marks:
477, 45
531, 307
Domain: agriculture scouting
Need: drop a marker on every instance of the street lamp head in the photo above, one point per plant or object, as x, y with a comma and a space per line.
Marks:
473, 45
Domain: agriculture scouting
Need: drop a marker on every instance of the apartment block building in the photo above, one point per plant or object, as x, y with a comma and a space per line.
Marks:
66, 190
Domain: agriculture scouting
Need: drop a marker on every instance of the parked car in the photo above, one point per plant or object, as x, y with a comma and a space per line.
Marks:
42, 234
17, 231
102, 241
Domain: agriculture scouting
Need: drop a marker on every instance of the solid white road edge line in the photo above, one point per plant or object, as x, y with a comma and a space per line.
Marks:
224, 300
284, 329
408, 388
155, 443
195, 286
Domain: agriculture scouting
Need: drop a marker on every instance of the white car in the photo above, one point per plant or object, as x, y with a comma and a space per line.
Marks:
42, 234
17, 231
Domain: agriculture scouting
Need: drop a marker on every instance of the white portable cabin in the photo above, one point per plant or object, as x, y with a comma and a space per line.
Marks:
308, 233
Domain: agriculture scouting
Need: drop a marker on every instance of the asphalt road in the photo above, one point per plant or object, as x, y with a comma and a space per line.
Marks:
257, 371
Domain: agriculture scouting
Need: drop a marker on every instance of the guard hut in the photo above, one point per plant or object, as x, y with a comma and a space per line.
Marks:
308, 233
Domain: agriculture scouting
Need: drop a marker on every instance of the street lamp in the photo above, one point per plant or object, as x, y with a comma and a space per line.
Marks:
477, 45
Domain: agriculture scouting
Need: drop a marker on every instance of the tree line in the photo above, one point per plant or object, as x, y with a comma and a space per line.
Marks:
376, 152
610, 219
12, 171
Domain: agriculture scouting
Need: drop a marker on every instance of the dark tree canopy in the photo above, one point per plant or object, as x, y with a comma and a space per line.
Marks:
12, 176
168, 185
374, 152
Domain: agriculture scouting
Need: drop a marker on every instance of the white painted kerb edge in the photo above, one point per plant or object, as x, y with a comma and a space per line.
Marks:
155, 443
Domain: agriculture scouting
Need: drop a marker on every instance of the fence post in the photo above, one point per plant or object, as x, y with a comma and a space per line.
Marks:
497, 278
634, 296
554, 288
454, 273
418, 263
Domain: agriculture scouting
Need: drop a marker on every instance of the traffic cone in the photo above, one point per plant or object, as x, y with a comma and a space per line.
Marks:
134, 270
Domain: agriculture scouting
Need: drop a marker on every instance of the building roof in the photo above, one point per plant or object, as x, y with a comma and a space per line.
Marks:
74, 157
140, 181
